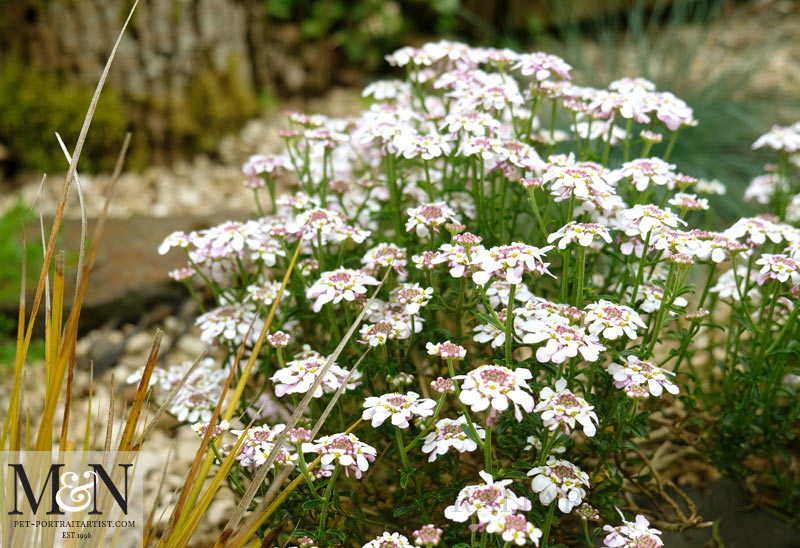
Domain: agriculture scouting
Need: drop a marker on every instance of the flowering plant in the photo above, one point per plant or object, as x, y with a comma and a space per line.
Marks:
532, 289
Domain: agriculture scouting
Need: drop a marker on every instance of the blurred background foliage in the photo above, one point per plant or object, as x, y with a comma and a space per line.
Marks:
191, 71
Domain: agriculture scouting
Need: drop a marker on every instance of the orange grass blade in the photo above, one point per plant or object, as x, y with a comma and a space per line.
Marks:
266, 508
44, 436
62, 201
141, 393
195, 492
261, 474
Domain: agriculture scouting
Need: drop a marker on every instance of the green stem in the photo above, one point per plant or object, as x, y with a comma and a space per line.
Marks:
627, 145
461, 403
670, 145
487, 448
547, 521
326, 501
510, 323
401, 448
578, 295
640, 273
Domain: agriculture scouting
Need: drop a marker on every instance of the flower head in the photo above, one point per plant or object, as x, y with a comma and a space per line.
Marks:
397, 407
337, 285
427, 535
632, 534
429, 217
446, 350
489, 501
299, 375
612, 321
582, 233
633, 373
562, 480
447, 434
516, 529
389, 540
561, 409
346, 450
509, 262
496, 386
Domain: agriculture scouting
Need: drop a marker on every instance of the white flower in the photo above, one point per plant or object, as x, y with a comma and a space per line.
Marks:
562, 409
636, 372
509, 262
412, 296
397, 407
562, 480
344, 449
176, 239
515, 528
489, 502
583, 233
634, 534
780, 138
389, 540
641, 219
299, 375
778, 267
496, 386
562, 341
449, 433
643, 171
612, 321
337, 285
429, 217
230, 323
446, 350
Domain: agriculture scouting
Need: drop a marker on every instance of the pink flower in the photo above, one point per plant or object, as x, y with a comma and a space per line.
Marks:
279, 339
446, 350
427, 535
443, 385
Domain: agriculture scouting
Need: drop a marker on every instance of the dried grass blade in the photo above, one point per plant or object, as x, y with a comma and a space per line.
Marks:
209, 459
261, 474
82, 204
170, 398
88, 430
141, 394
62, 201
44, 437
